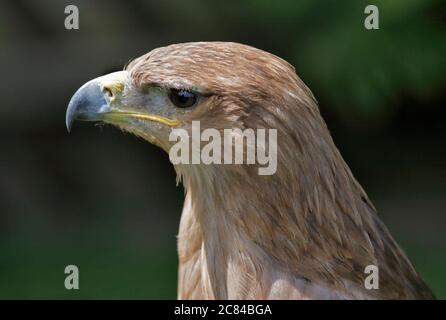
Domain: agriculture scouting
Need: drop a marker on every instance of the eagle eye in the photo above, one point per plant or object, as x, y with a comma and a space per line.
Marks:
182, 98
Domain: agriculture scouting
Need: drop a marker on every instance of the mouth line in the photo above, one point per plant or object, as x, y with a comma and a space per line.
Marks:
118, 115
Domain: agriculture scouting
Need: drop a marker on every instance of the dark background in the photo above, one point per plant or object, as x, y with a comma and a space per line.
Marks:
108, 203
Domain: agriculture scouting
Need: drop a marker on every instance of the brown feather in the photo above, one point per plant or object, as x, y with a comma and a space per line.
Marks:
306, 232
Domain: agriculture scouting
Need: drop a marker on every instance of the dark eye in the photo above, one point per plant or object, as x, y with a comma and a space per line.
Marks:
182, 98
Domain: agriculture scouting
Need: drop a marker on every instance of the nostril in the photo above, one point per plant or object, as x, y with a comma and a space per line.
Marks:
108, 92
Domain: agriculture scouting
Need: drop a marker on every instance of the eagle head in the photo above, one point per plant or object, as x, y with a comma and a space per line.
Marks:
309, 226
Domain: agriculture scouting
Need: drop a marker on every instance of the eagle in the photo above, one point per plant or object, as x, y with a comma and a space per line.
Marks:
308, 231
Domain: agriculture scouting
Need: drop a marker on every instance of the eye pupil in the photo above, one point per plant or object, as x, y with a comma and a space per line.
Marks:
182, 98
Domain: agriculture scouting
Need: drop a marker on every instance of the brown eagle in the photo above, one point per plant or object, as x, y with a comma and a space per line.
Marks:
308, 231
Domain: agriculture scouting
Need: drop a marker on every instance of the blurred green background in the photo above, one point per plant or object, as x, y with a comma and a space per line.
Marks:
108, 203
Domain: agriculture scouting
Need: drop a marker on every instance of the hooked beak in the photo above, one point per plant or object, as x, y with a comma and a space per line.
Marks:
100, 100
91, 102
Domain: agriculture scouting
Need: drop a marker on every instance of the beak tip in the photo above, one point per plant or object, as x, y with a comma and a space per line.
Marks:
85, 104
69, 117
89, 102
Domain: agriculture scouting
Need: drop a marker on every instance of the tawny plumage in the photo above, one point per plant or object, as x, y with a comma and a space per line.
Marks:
306, 232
